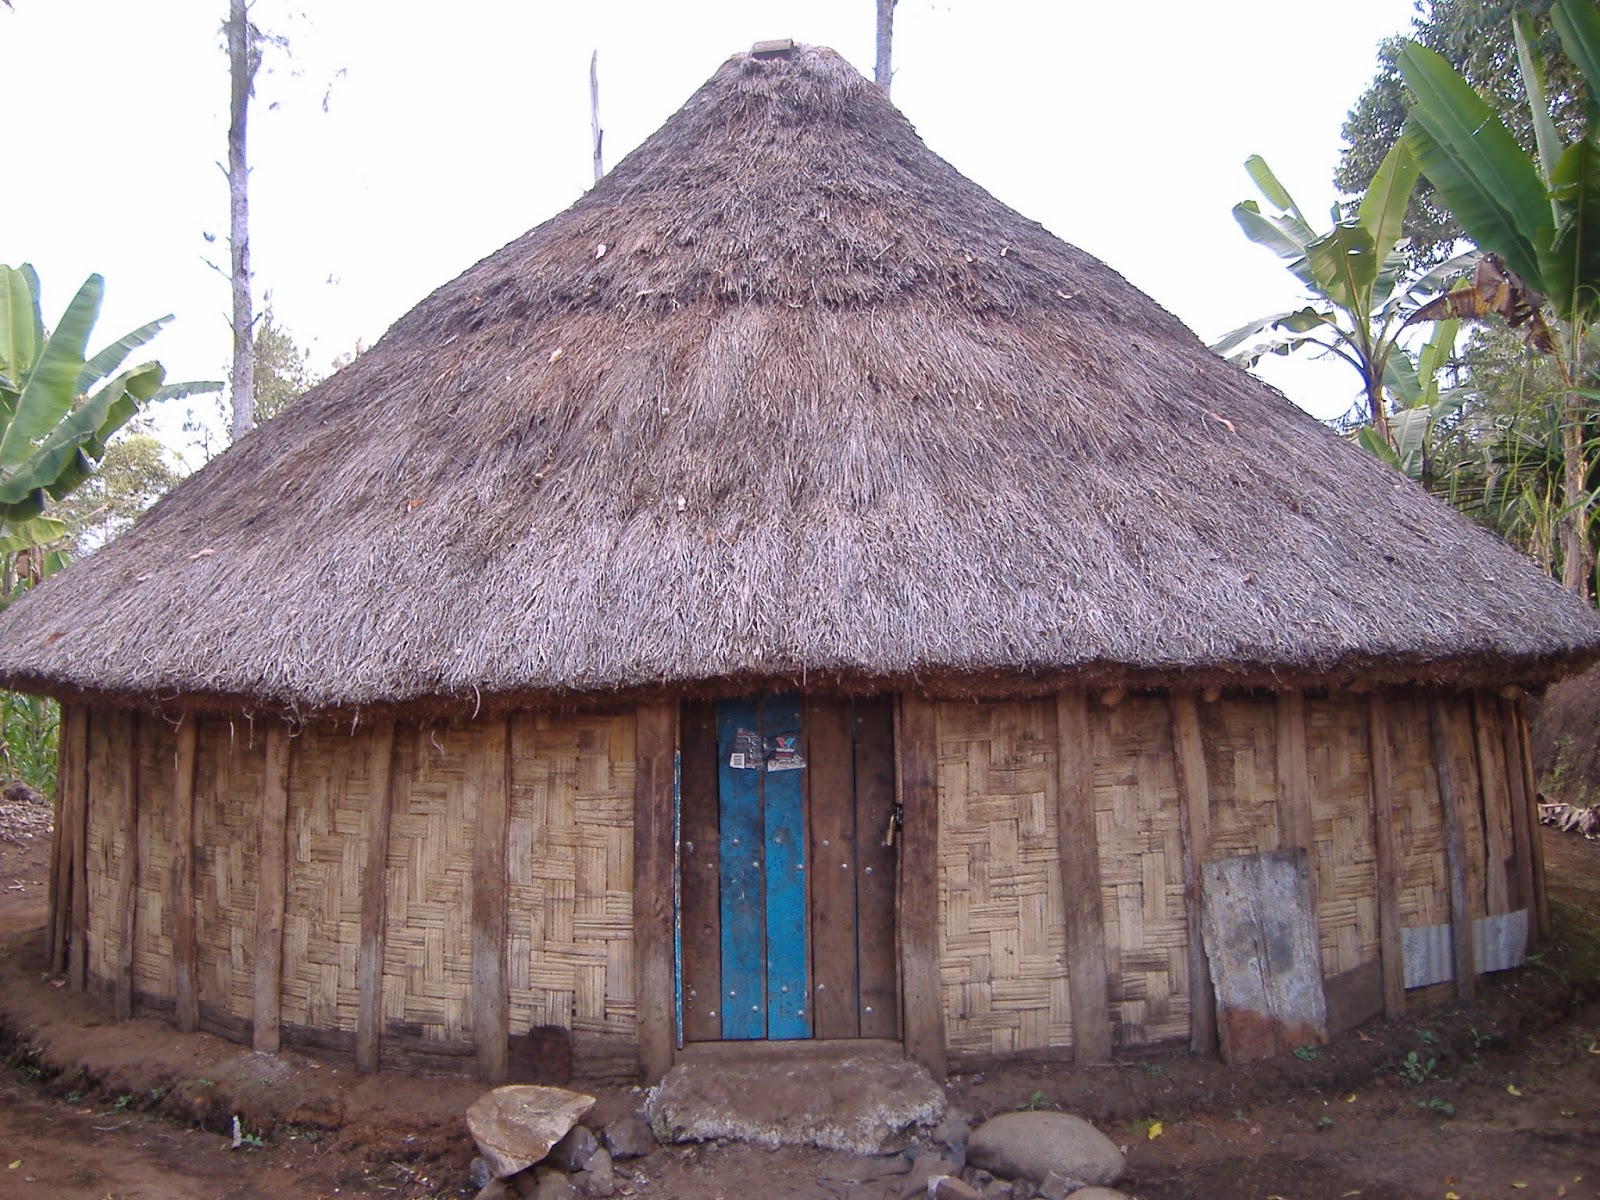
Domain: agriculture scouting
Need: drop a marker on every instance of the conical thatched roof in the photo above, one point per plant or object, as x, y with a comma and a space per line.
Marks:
785, 395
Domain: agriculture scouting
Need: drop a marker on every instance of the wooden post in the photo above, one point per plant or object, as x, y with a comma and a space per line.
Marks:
1541, 891
184, 949
916, 748
1524, 821
655, 744
1079, 849
1455, 853
1194, 794
75, 786
1391, 948
60, 886
1499, 839
272, 868
490, 1002
128, 871
374, 896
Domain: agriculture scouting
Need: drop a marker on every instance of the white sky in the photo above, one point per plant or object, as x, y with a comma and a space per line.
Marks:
452, 128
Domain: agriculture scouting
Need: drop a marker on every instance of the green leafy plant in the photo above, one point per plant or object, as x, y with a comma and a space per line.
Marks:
1307, 1053
1416, 1070
1033, 1103
123, 1101
1537, 218
1153, 1070
1434, 1104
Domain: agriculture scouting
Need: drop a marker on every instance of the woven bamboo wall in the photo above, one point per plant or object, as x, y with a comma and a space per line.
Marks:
153, 973
110, 740
1240, 735
1346, 852
1418, 814
1138, 822
229, 764
569, 874
1002, 958
328, 795
427, 962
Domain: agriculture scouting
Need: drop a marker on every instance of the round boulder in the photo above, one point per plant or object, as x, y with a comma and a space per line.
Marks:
1030, 1145
515, 1126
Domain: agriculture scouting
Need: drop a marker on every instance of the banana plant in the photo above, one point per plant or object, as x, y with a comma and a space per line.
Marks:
1539, 216
1421, 407
1354, 273
59, 405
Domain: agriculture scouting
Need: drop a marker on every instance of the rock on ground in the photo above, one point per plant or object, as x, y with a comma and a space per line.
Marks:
1031, 1145
515, 1126
1098, 1193
863, 1103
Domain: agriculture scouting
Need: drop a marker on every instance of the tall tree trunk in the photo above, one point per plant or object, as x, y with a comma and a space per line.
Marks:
594, 114
1577, 552
243, 58
884, 68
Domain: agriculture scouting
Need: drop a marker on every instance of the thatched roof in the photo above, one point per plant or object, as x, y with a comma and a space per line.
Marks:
785, 396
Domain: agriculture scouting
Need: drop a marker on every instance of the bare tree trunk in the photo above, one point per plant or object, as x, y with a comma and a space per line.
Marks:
1577, 553
594, 114
883, 70
243, 58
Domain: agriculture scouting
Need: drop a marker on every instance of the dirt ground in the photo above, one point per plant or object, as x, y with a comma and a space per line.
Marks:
1501, 1101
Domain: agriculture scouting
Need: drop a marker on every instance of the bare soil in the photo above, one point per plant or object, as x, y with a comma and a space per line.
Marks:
1565, 733
1501, 1101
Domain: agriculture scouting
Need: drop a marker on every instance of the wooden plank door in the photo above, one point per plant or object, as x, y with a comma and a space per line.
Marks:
761, 857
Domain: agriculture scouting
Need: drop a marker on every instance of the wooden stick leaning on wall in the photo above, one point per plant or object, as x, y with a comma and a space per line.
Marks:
59, 895
655, 744
490, 1002
374, 897
1194, 794
1391, 945
1541, 891
916, 748
1455, 853
271, 890
184, 949
128, 869
1078, 846
75, 787
1296, 830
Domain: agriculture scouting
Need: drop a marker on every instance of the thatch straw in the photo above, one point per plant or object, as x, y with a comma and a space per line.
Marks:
785, 395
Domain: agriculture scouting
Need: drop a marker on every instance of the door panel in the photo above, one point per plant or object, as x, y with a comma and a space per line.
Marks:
875, 874
743, 877
831, 767
699, 876
783, 804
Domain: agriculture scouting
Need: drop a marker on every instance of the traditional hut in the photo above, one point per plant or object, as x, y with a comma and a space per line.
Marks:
790, 595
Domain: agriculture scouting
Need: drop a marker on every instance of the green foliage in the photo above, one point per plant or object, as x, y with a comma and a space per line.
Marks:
1416, 1070
1307, 1053
1361, 294
136, 471
1475, 37
28, 730
1539, 215
282, 374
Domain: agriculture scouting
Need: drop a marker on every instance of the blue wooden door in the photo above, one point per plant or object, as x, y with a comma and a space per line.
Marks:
761, 852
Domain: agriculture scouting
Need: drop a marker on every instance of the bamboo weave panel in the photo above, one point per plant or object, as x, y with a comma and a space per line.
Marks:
1240, 735
1418, 814
230, 760
569, 873
1138, 821
153, 973
109, 733
328, 798
427, 960
1002, 938
1346, 853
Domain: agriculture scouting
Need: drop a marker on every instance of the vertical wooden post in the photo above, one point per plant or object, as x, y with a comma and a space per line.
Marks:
1078, 845
1194, 794
916, 749
272, 868
60, 887
656, 743
374, 896
1391, 948
128, 872
1499, 837
1541, 891
1524, 821
184, 950
1455, 853
490, 1002
75, 786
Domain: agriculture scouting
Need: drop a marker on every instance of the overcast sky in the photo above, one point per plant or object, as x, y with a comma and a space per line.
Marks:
399, 142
